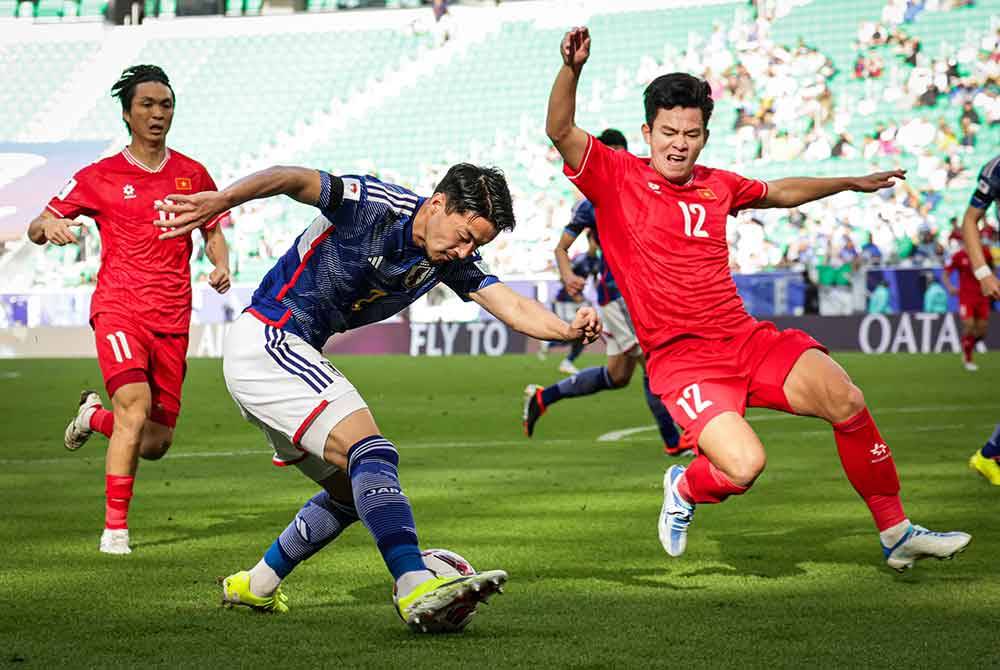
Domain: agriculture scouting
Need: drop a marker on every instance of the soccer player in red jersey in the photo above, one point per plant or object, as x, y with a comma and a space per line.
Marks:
662, 223
973, 306
141, 308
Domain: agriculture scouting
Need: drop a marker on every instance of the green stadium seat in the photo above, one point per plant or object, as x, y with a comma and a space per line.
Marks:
70, 9
48, 9
93, 8
8, 9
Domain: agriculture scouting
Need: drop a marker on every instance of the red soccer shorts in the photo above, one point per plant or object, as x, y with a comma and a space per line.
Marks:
974, 309
699, 379
128, 353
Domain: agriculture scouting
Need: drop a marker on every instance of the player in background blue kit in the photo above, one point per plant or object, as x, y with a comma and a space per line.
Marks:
619, 334
584, 266
373, 250
986, 460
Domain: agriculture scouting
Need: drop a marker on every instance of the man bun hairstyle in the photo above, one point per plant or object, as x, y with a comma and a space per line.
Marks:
131, 77
613, 137
678, 89
480, 190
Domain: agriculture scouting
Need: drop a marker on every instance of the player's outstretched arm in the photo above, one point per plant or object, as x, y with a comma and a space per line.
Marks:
560, 122
795, 191
218, 253
195, 210
530, 317
981, 269
573, 282
46, 227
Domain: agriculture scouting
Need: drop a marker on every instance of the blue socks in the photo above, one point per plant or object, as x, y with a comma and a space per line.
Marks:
992, 447
668, 431
575, 350
381, 505
585, 382
317, 524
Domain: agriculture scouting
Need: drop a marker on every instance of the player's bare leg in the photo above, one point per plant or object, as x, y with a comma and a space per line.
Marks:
818, 386
156, 440
730, 460
970, 335
131, 404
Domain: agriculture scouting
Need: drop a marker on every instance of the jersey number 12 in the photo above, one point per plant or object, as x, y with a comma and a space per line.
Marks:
698, 219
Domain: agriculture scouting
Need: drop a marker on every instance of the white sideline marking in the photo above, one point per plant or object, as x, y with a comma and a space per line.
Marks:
9, 375
258, 452
616, 435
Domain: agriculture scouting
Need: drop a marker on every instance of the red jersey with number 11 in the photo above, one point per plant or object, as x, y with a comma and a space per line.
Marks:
141, 276
666, 243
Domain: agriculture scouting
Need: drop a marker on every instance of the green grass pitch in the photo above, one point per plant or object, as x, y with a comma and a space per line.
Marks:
789, 575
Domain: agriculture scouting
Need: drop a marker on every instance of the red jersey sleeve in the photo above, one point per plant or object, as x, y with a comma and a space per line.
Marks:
76, 197
206, 183
745, 191
599, 170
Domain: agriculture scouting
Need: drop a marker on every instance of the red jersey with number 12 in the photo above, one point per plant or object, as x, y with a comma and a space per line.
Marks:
666, 243
141, 276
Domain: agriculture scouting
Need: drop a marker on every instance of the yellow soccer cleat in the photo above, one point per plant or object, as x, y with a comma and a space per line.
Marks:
987, 467
447, 604
236, 591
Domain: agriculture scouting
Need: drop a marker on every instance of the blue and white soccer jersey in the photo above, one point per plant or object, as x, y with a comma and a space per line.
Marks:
987, 185
619, 332
354, 265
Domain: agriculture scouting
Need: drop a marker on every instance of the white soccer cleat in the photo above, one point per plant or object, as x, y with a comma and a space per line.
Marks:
115, 541
918, 543
970, 366
78, 431
567, 368
676, 514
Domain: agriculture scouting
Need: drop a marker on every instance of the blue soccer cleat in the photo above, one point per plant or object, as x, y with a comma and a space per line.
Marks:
918, 542
676, 514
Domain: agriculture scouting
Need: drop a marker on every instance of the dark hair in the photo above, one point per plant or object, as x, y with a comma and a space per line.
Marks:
613, 138
481, 190
131, 77
678, 89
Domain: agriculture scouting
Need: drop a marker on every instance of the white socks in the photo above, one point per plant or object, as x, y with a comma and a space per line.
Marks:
411, 580
890, 536
263, 580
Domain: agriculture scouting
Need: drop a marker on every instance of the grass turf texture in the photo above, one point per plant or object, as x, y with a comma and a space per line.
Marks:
789, 575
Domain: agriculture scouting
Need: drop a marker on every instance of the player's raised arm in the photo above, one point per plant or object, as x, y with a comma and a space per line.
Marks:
980, 268
795, 191
531, 318
560, 123
193, 211
46, 227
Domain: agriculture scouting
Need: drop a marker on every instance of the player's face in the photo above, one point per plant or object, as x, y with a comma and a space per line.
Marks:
152, 111
454, 236
675, 139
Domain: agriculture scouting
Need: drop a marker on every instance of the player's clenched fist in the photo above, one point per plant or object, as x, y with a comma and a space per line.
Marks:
990, 286
575, 47
189, 212
59, 231
219, 279
586, 325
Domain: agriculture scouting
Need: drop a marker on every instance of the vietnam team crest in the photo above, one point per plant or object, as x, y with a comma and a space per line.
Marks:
182, 183
706, 194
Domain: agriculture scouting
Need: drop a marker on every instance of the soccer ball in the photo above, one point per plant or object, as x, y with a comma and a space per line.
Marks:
444, 563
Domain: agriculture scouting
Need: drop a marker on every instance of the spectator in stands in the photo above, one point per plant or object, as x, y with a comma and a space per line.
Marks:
935, 295
880, 300
928, 250
969, 112
969, 130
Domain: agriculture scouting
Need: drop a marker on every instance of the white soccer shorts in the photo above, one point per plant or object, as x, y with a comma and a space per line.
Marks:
289, 390
619, 333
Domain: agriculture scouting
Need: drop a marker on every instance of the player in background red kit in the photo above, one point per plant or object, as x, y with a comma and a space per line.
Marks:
973, 306
141, 308
662, 223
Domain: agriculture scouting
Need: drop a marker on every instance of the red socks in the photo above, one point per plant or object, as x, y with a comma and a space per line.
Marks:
968, 344
868, 464
704, 483
103, 421
118, 494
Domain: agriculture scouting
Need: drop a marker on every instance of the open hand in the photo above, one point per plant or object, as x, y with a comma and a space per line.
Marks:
189, 212
877, 181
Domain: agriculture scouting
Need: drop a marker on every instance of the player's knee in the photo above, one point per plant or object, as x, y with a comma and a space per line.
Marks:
845, 400
131, 416
619, 378
746, 470
154, 450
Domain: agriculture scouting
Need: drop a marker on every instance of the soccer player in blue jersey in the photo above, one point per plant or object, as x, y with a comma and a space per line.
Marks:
565, 305
619, 334
373, 250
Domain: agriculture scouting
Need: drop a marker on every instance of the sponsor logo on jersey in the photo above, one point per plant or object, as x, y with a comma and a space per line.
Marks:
983, 187
67, 189
418, 274
352, 189
653, 186
706, 194
375, 261
128, 191
182, 183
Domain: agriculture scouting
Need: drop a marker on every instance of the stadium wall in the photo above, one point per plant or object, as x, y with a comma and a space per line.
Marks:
909, 332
